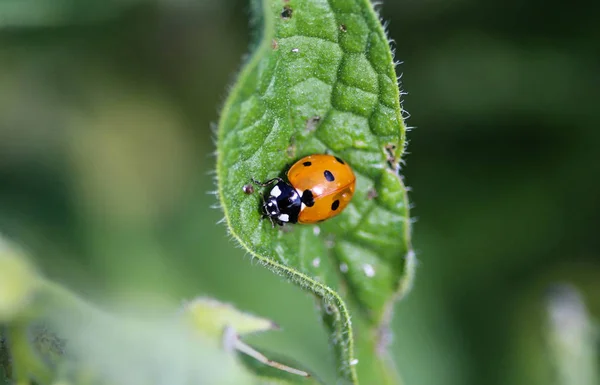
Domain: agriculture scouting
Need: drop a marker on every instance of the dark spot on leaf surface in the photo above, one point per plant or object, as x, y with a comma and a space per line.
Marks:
390, 150
291, 150
329, 176
343, 28
371, 194
287, 12
248, 189
335, 204
311, 124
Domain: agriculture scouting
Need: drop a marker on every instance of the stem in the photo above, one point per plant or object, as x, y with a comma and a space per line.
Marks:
375, 365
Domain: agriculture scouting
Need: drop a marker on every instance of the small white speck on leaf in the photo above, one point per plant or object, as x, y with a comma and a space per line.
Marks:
354, 362
316, 230
344, 268
369, 270
329, 243
295, 50
316, 262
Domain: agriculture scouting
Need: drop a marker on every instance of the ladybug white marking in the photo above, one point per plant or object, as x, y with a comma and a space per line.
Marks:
271, 208
276, 191
284, 217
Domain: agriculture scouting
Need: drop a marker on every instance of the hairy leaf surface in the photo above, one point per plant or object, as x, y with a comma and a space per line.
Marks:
322, 80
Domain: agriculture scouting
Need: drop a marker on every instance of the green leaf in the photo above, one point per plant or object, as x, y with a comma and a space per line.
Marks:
211, 317
72, 340
54, 335
18, 282
216, 319
322, 80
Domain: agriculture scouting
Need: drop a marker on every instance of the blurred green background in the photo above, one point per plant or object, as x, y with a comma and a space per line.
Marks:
106, 154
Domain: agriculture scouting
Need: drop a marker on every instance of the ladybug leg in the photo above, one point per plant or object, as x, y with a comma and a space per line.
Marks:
264, 209
272, 220
267, 183
264, 214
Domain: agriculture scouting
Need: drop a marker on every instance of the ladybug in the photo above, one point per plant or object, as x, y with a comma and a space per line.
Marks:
319, 187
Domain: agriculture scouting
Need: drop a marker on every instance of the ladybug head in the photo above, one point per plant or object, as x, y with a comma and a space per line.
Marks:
283, 204
270, 206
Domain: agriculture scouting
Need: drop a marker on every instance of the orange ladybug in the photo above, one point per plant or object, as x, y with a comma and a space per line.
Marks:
320, 187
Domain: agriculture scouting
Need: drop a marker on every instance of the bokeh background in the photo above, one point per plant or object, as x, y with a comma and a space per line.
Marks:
106, 154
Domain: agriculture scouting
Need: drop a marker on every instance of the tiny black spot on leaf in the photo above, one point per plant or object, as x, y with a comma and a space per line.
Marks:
307, 164
287, 12
371, 194
339, 160
311, 124
335, 204
329, 176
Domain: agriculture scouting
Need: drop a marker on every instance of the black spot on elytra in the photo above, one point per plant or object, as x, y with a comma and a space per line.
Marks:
307, 164
339, 160
329, 176
307, 198
335, 204
286, 13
